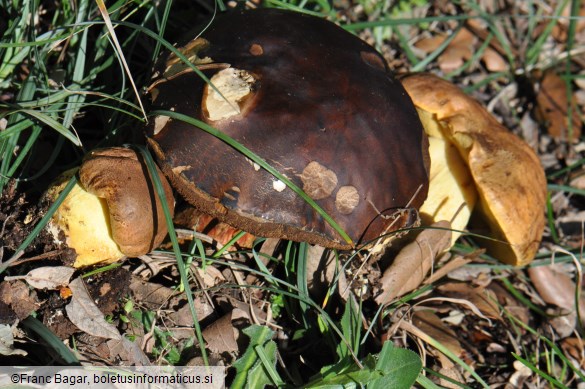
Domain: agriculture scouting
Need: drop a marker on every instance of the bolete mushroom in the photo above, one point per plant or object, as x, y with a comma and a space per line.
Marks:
507, 175
327, 114
325, 111
314, 101
114, 210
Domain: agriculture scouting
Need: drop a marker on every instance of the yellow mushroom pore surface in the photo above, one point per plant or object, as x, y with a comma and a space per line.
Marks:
508, 177
452, 194
83, 217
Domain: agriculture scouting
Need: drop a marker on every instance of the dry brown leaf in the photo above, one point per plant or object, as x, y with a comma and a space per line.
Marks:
512, 306
555, 287
414, 261
450, 374
459, 50
267, 251
430, 44
553, 108
48, 277
321, 269
521, 373
221, 336
483, 299
561, 28
211, 276
83, 312
429, 323
452, 265
575, 347
183, 316
127, 352
151, 295
493, 61
19, 298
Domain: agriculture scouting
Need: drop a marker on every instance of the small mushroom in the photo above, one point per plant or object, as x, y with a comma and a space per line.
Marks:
508, 177
325, 112
114, 210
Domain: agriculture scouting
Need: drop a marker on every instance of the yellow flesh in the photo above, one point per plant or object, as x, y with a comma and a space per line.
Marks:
452, 194
84, 220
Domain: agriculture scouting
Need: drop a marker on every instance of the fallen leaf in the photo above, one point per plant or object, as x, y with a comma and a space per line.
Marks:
493, 61
7, 341
83, 312
183, 316
560, 30
19, 297
483, 299
413, 262
432, 325
211, 276
511, 305
151, 295
127, 352
459, 50
221, 336
555, 287
575, 348
448, 375
47, 277
552, 108
522, 372
428, 328
321, 269
452, 265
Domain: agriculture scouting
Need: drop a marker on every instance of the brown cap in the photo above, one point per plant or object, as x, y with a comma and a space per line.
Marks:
508, 176
118, 175
316, 103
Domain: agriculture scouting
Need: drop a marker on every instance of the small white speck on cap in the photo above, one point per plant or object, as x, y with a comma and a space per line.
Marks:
278, 185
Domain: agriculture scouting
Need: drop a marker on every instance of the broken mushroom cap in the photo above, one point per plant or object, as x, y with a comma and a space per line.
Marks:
509, 179
113, 211
325, 112
120, 177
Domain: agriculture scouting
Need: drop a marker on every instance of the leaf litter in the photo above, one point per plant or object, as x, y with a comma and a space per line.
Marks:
462, 275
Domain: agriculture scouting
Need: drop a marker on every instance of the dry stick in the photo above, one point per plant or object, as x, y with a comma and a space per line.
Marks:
203, 286
48, 254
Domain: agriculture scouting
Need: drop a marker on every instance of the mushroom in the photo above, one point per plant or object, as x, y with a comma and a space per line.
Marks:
507, 175
326, 112
114, 211
328, 115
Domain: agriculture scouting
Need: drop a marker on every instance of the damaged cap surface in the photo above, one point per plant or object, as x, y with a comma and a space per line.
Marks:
325, 112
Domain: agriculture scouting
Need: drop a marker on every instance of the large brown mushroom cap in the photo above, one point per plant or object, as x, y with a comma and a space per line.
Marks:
508, 176
316, 103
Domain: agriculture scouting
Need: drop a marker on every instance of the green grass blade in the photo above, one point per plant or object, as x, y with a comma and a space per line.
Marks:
553, 381
52, 340
54, 124
114, 37
176, 249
